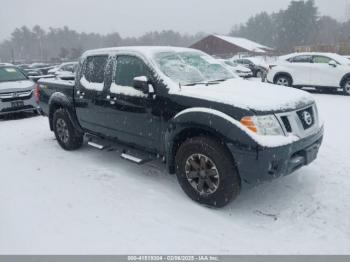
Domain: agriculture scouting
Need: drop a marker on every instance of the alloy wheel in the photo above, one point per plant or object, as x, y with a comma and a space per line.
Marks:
282, 81
202, 174
347, 87
62, 130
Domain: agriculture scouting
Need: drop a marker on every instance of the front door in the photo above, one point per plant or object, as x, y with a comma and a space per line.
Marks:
132, 115
324, 74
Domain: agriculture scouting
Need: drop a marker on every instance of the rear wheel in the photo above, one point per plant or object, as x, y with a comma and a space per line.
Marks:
283, 80
206, 172
67, 137
346, 87
259, 74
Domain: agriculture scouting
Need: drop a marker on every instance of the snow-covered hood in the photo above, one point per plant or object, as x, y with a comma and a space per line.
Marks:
249, 95
15, 86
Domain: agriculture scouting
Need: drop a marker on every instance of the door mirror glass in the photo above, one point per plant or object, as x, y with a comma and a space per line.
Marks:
332, 63
141, 83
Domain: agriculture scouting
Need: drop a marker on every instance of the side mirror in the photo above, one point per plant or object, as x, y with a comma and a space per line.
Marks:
141, 83
332, 63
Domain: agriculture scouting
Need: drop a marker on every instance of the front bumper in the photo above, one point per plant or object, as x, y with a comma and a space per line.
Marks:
263, 164
16, 105
245, 75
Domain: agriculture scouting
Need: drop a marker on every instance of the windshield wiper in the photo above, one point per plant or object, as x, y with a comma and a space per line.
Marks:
219, 80
204, 83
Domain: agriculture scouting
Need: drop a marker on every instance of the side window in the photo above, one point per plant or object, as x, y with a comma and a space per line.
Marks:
129, 67
302, 59
94, 69
322, 59
247, 62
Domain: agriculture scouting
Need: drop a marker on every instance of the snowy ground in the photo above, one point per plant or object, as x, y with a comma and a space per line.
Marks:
91, 202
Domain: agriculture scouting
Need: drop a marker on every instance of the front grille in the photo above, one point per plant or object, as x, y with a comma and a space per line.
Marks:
306, 117
15, 96
22, 108
286, 124
301, 123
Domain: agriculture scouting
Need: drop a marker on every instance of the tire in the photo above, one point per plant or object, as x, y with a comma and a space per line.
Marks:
259, 74
224, 179
67, 137
283, 80
346, 87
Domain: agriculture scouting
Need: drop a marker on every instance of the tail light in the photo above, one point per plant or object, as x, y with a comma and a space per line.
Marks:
37, 93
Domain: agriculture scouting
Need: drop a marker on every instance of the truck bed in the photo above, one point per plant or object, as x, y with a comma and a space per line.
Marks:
50, 86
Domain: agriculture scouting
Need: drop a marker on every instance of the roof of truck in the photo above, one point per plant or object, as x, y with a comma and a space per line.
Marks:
145, 50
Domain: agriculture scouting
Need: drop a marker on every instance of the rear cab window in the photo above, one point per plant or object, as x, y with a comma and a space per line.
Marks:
94, 72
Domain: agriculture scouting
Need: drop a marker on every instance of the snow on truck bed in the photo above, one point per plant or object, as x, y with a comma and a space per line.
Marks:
92, 202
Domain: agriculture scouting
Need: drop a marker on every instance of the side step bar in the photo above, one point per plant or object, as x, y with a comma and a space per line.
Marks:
127, 153
134, 159
95, 145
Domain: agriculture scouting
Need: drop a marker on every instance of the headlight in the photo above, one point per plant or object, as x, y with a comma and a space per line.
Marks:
263, 125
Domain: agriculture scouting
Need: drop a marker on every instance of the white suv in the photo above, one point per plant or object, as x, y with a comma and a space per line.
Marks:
320, 70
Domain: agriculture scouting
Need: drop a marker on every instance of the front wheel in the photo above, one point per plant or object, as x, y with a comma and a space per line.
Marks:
67, 137
206, 172
283, 80
346, 87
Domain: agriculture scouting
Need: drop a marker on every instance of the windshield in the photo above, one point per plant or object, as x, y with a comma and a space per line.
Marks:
189, 68
11, 74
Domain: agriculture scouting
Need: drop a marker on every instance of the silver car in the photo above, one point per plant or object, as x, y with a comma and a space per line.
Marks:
17, 91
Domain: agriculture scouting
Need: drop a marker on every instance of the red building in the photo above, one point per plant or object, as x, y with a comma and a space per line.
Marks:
227, 46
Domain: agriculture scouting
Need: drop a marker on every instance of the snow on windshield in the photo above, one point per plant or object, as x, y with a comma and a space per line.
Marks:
191, 67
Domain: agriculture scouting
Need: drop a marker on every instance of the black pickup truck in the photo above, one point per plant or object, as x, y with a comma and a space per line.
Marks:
216, 132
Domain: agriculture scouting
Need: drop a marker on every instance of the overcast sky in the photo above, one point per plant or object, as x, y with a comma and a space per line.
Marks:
135, 17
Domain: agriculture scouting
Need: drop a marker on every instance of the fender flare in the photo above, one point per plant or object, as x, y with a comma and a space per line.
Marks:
214, 122
59, 100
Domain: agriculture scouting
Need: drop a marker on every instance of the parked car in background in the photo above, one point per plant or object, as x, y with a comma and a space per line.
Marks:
217, 132
41, 67
30, 71
237, 69
325, 71
257, 65
6, 64
64, 69
16, 91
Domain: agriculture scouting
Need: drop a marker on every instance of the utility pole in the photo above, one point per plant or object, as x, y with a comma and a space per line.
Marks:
12, 55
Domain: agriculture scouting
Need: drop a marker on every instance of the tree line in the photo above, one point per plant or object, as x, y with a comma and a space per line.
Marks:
299, 24
63, 44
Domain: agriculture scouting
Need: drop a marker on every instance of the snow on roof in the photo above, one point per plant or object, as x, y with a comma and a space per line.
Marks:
147, 51
333, 56
245, 44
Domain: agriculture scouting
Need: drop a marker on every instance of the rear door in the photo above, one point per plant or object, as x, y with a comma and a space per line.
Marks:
301, 69
88, 93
